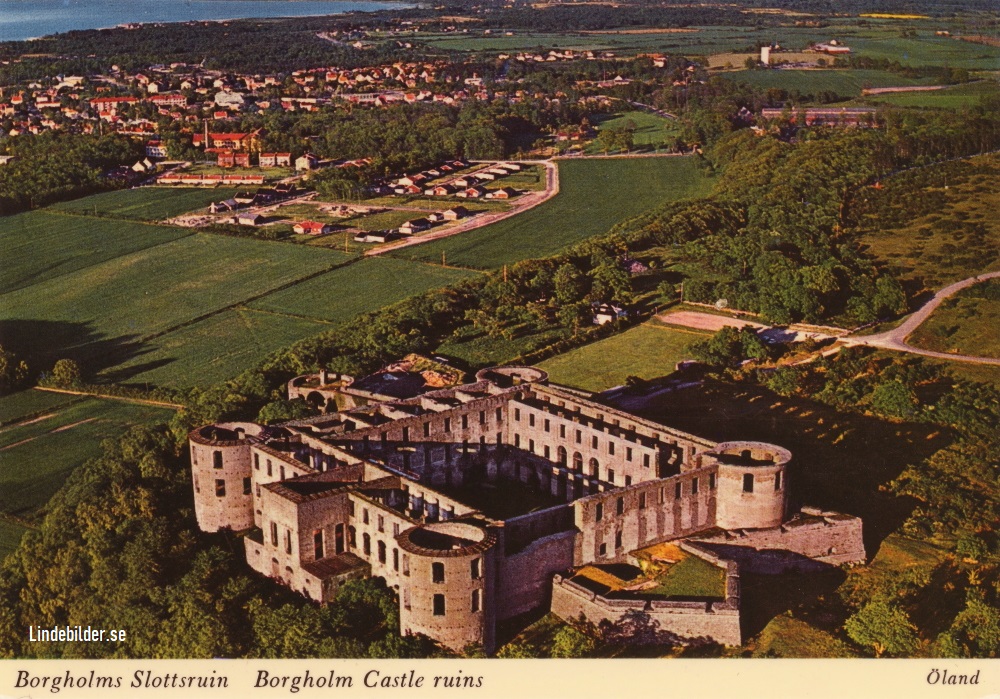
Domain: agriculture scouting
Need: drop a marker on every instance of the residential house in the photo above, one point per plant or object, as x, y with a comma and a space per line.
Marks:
311, 228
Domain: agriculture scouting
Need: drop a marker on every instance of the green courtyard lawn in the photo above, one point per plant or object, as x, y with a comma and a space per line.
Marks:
595, 194
358, 288
146, 203
42, 245
648, 351
966, 323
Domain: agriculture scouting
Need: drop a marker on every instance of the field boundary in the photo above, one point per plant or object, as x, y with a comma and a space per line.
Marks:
105, 396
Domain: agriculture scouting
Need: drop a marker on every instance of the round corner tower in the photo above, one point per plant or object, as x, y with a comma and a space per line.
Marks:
752, 488
221, 473
449, 594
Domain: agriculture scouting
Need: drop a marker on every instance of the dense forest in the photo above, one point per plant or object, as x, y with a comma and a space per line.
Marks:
55, 166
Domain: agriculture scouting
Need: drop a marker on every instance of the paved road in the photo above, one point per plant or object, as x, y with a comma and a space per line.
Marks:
895, 339
525, 202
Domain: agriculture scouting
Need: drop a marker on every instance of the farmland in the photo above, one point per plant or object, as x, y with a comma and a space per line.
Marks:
146, 203
37, 454
651, 131
210, 350
357, 288
40, 246
965, 323
109, 308
647, 351
957, 97
842, 82
594, 195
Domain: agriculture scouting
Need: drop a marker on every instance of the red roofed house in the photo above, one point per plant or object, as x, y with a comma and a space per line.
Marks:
311, 228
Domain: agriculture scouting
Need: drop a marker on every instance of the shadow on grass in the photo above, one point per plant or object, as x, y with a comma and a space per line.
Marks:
41, 343
842, 461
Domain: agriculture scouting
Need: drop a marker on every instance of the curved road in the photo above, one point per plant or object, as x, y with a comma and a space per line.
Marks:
895, 339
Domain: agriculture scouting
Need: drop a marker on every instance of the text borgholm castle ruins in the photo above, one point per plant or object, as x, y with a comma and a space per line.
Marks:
484, 501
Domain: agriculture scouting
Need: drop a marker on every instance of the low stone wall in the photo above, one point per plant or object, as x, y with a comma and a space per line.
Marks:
657, 620
811, 541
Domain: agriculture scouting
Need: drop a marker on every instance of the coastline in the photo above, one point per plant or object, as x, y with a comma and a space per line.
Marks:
382, 6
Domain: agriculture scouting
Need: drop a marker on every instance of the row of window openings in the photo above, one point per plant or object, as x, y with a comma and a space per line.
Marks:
594, 442
678, 493
447, 425
603, 548
547, 425
561, 459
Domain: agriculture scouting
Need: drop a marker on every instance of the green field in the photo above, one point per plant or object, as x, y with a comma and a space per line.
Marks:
594, 195
958, 97
689, 577
28, 404
966, 323
111, 307
40, 245
926, 49
146, 203
846, 83
211, 350
647, 351
358, 288
651, 130
38, 455
477, 349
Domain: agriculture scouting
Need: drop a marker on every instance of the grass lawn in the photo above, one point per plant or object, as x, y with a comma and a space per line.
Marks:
211, 350
29, 404
99, 313
648, 351
594, 195
690, 577
845, 82
358, 288
382, 220
966, 323
146, 203
39, 245
36, 458
651, 131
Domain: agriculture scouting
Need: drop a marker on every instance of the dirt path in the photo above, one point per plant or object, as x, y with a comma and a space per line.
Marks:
526, 202
895, 339
137, 401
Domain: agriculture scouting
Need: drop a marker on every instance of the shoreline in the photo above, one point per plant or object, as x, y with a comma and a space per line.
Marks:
388, 4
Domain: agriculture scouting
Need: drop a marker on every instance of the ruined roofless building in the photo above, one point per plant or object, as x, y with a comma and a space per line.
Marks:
475, 503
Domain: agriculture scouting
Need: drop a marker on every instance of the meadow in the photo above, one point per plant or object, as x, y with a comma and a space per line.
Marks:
651, 130
594, 195
98, 313
648, 351
145, 203
40, 245
958, 239
26, 405
966, 323
10, 537
358, 288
